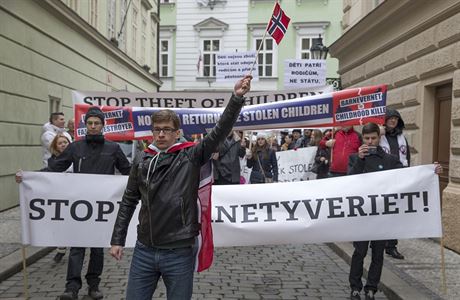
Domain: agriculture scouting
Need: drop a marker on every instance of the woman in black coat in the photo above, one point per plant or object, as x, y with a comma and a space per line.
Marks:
262, 160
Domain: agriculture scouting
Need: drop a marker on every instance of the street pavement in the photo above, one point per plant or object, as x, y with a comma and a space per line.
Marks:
263, 272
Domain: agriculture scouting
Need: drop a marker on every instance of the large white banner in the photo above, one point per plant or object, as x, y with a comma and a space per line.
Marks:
64, 209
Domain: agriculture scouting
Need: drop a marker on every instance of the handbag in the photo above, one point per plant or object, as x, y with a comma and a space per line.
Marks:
315, 168
266, 179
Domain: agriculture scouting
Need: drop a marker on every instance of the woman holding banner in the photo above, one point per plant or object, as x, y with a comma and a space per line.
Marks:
262, 160
57, 146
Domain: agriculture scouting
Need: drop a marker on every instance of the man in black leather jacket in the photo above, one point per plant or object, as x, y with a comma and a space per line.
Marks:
166, 180
92, 155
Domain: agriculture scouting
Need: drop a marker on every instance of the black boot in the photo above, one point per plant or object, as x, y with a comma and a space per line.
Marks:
355, 295
58, 257
393, 252
69, 295
95, 293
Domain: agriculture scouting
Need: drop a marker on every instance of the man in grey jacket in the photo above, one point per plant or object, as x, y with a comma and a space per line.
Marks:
166, 179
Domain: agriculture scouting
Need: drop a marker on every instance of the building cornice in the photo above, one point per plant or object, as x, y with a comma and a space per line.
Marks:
170, 28
154, 16
61, 11
388, 14
211, 24
299, 25
147, 4
252, 27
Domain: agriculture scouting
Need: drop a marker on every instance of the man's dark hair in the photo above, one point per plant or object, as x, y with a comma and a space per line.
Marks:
166, 115
370, 128
55, 115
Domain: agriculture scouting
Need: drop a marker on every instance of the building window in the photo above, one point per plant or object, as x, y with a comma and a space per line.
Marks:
153, 44
122, 37
54, 104
305, 44
134, 30
165, 55
143, 35
210, 49
266, 57
112, 8
73, 4
93, 13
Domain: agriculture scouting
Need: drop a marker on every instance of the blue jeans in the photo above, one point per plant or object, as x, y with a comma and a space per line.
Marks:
176, 266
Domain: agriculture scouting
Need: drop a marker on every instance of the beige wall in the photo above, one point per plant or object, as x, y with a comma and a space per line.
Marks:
412, 53
355, 10
47, 51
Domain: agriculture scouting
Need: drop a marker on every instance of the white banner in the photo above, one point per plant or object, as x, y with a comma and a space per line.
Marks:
304, 73
188, 99
295, 165
232, 66
65, 209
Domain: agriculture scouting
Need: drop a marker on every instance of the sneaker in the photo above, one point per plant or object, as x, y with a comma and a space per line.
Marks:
393, 252
354, 295
69, 295
58, 257
370, 295
95, 294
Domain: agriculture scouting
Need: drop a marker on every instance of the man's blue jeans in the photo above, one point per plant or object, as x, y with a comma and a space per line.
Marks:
176, 266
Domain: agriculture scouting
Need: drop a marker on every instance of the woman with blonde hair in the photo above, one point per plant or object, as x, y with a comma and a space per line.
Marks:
315, 137
57, 146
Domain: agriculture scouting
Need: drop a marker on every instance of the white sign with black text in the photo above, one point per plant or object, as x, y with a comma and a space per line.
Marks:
66, 209
304, 73
235, 65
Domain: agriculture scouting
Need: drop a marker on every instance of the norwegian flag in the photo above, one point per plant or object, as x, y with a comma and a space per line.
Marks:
278, 24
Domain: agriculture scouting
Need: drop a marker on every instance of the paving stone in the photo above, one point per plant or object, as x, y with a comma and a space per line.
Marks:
268, 272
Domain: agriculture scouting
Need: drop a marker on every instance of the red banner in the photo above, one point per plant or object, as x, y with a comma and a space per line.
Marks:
359, 106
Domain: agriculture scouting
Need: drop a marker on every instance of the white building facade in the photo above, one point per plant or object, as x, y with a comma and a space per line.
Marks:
193, 31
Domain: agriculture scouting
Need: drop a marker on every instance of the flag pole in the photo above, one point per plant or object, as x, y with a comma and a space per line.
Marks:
263, 41
24, 269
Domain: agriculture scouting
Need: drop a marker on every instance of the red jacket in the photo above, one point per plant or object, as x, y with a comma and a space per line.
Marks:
346, 143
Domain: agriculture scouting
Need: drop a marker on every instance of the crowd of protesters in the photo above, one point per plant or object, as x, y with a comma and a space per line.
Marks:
167, 249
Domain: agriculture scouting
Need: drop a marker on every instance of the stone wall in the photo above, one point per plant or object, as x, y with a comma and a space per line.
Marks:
412, 55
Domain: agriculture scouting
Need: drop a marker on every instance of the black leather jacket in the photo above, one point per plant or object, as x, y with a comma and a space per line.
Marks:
169, 211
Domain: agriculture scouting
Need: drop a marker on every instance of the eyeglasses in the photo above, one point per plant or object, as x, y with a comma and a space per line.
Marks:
166, 130
95, 123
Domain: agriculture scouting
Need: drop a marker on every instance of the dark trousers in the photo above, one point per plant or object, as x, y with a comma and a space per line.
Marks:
375, 269
223, 181
391, 244
335, 174
95, 266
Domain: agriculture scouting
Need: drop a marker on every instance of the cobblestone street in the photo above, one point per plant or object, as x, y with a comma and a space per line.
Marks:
266, 272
